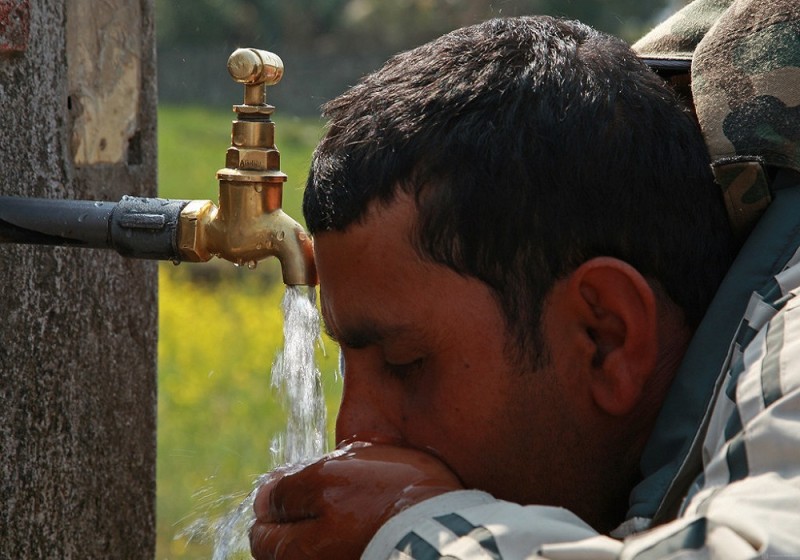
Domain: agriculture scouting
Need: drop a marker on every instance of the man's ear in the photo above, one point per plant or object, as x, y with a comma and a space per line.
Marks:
617, 310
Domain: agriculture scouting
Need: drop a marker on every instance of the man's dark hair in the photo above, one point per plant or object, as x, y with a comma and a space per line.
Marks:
531, 145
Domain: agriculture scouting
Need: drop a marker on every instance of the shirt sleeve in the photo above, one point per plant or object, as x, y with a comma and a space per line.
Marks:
470, 525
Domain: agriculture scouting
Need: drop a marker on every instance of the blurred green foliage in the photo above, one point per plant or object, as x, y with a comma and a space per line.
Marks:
218, 336
352, 25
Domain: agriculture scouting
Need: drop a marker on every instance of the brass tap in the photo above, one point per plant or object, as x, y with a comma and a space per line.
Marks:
249, 224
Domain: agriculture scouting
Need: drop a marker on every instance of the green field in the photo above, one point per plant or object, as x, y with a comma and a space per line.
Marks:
220, 328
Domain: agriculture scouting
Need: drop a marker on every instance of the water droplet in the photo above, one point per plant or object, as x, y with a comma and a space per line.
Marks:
281, 235
176, 262
252, 265
259, 188
99, 203
259, 246
301, 236
82, 217
238, 263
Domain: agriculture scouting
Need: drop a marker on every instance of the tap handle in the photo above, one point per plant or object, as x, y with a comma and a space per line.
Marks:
256, 69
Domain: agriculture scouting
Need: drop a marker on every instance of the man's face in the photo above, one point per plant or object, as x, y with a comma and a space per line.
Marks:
427, 363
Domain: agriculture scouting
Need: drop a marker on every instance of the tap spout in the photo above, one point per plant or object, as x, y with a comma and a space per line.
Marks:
295, 252
247, 226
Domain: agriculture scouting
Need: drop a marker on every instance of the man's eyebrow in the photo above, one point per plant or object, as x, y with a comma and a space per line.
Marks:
364, 335
360, 337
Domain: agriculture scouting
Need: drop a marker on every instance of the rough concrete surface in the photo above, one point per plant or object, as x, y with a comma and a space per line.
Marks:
77, 327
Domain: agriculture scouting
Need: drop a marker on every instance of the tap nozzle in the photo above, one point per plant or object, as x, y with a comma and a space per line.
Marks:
249, 224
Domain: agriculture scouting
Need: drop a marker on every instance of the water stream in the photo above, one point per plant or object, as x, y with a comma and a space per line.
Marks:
296, 378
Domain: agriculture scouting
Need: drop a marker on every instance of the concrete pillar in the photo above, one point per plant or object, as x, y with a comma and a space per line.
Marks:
78, 328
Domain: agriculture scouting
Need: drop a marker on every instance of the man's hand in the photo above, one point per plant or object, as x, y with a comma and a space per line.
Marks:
333, 507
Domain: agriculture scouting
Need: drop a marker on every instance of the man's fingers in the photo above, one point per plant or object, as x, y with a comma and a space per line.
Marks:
261, 502
261, 540
273, 541
286, 499
285, 542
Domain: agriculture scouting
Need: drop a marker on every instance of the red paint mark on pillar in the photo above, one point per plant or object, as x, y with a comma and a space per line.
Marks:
15, 25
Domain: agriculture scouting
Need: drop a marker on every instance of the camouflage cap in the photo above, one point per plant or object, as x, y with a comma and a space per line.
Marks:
678, 36
745, 87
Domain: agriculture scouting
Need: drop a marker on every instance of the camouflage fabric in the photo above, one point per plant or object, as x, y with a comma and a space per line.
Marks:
745, 190
745, 88
678, 36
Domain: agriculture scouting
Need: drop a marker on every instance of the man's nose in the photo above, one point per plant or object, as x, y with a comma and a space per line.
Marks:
370, 405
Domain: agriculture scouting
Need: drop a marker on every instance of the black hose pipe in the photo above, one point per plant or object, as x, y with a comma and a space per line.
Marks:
145, 228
